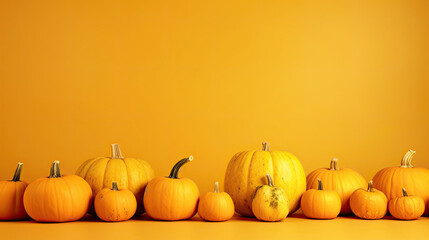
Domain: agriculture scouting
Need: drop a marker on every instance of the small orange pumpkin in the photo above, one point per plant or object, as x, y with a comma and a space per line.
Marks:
390, 180
114, 205
11, 197
216, 206
172, 198
57, 198
369, 204
321, 204
344, 181
406, 207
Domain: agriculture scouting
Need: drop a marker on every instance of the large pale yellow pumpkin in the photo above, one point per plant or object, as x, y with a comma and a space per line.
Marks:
129, 173
247, 170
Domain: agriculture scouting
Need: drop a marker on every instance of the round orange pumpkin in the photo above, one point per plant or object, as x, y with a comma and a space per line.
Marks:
172, 198
114, 205
216, 206
406, 207
344, 181
320, 204
390, 180
369, 203
245, 170
57, 198
130, 173
11, 197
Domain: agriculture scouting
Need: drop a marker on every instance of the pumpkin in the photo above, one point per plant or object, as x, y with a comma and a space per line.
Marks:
270, 203
390, 180
57, 198
368, 204
129, 173
345, 181
11, 200
245, 170
321, 204
406, 207
172, 198
113, 205
216, 206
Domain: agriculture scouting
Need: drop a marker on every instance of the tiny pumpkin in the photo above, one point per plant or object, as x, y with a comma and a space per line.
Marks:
390, 180
12, 194
114, 205
270, 203
321, 204
344, 181
57, 198
369, 204
406, 207
129, 173
172, 198
216, 206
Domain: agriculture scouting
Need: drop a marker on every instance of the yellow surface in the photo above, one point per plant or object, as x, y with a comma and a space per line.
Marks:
167, 79
295, 227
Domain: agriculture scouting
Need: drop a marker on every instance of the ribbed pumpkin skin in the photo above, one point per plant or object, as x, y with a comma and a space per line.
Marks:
246, 171
63, 199
11, 200
171, 199
368, 204
320, 204
344, 181
216, 206
130, 173
406, 207
115, 205
391, 180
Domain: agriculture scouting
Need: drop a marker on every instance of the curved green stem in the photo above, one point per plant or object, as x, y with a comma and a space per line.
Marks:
17, 175
175, 170
404, 192
270, 180
319, 185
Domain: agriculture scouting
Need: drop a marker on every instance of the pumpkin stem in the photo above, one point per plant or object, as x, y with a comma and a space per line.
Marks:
216, 187
404, 192
265, 146
175, 170
55, 170
334, 164
370, 186
320, 185
115, 186
406, 159
116, 152
17, 175
270, 180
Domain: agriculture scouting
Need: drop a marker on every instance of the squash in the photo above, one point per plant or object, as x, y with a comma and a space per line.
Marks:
11, 200
172, 198
129, 173
244, 171
345, 181
270, 203
321, 204
216, 206
390, 180
57, 198
406, 207
113, 205
368, 204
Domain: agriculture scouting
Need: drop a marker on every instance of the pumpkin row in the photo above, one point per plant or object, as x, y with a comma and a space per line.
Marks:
265, 184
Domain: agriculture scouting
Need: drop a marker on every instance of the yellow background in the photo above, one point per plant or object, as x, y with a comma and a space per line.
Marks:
167, 79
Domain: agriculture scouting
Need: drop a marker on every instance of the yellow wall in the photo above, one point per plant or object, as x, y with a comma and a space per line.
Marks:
167, 79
